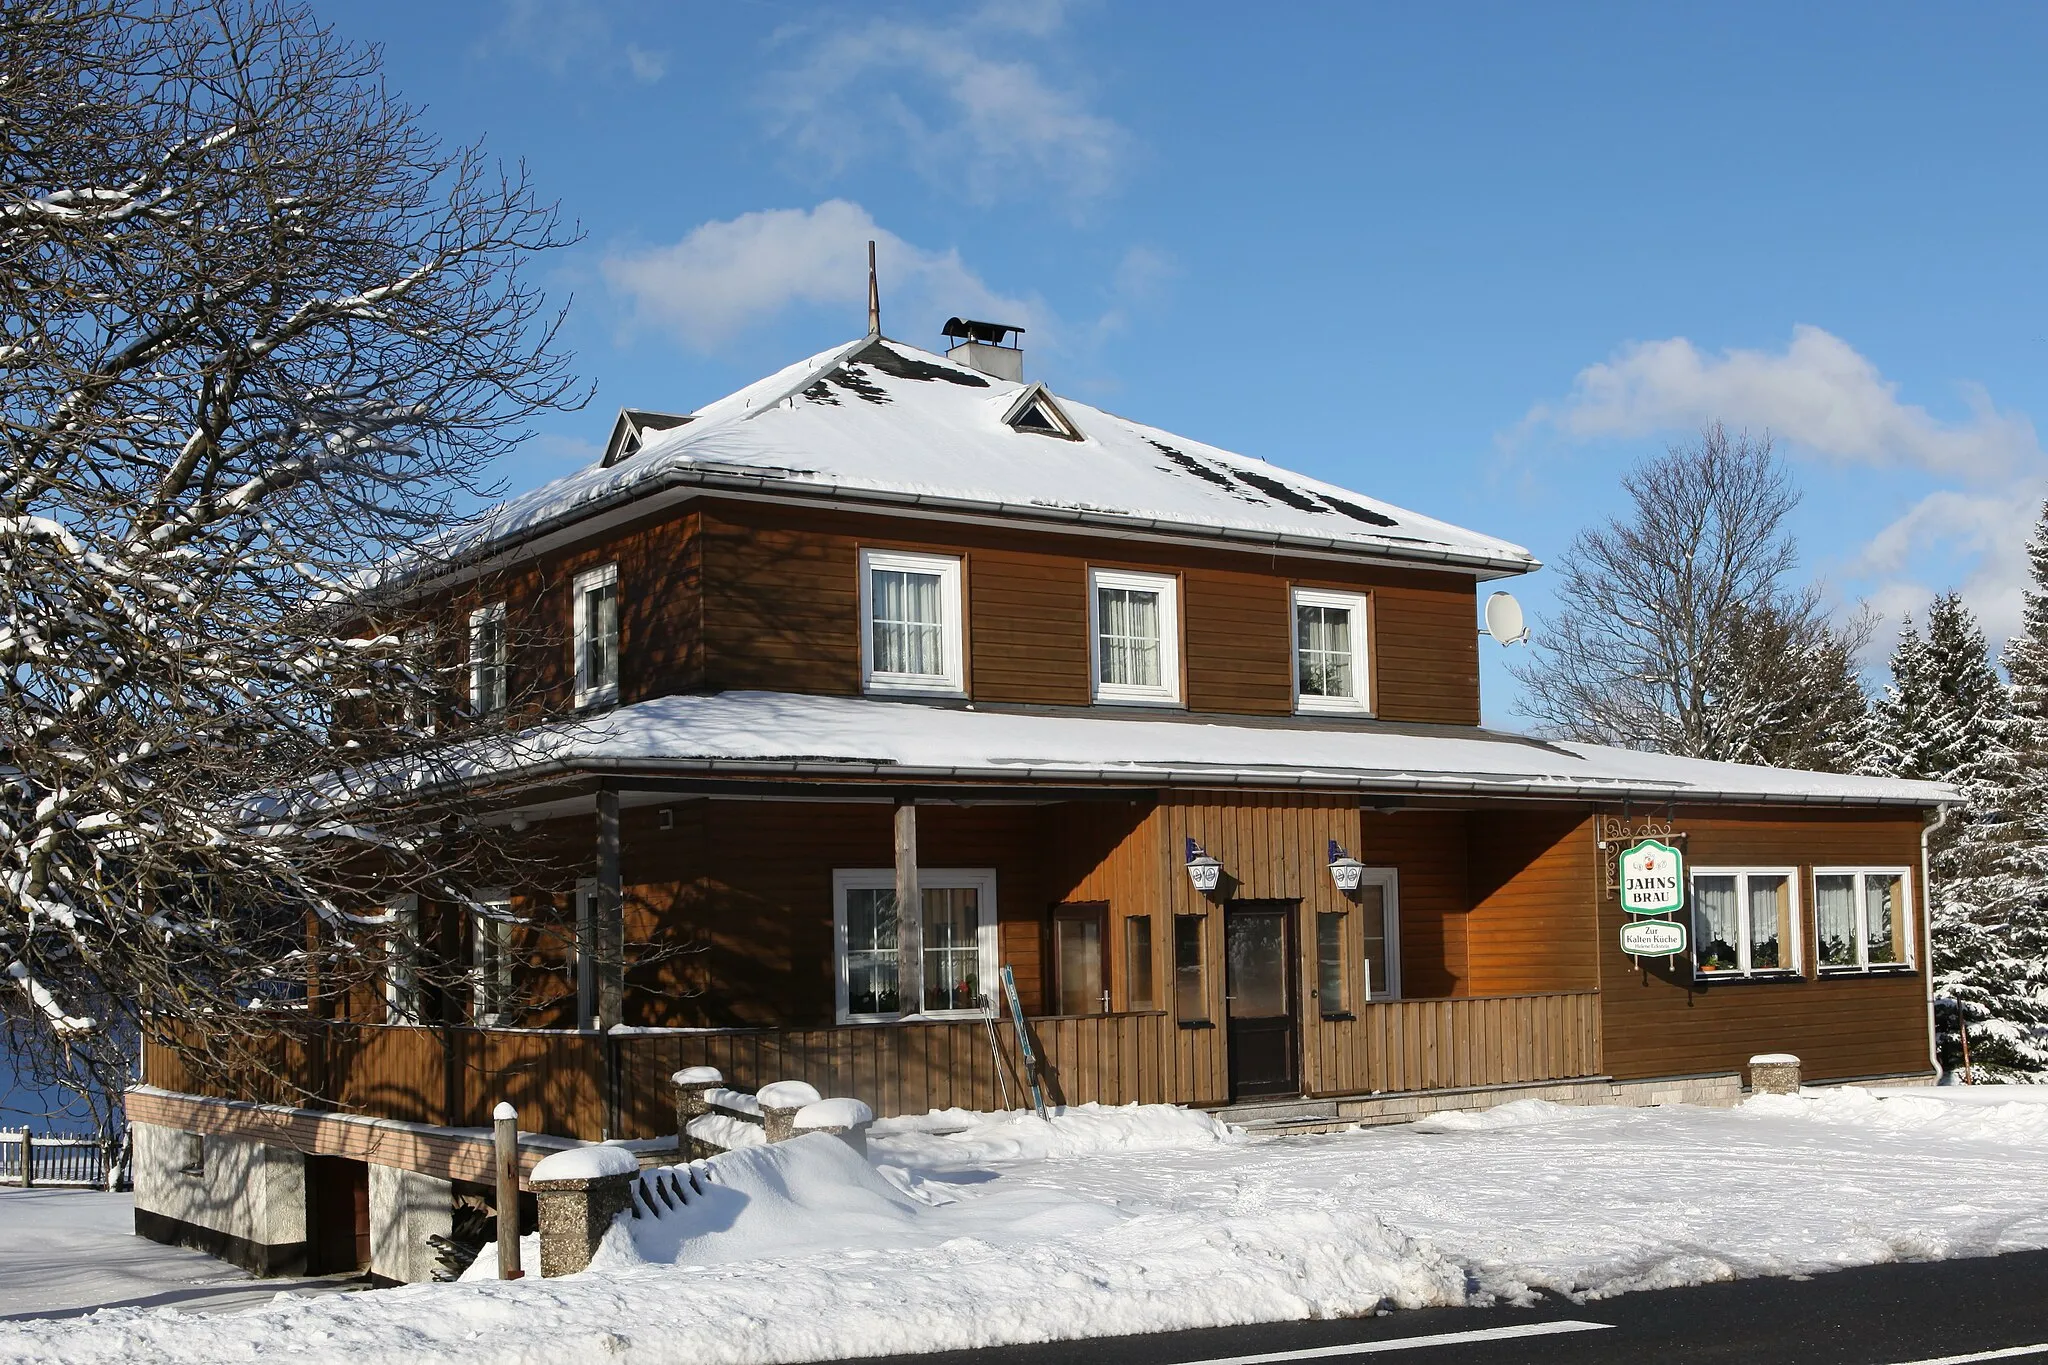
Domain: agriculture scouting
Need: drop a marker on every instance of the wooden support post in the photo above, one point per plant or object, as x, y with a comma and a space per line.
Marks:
909, 913
505, 1140
28, 1159
609, 927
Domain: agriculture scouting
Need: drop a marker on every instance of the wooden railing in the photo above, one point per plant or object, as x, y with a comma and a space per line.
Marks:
1467, 1041
589, 1085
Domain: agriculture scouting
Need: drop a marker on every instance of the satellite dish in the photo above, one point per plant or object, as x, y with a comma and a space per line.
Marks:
1504, 620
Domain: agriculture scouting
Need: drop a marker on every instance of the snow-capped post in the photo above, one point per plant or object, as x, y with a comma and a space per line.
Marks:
581, 1193
505, 1145
844, 1119
780, 1104
28, 1158
692, 1084
1774, 1073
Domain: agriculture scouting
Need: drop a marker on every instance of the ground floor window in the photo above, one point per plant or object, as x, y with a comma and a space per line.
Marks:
1379, 905
1190, 991
1745, 921
1139, 993
1080, 985
402, 960
491, 960
959, 931
583, 954
1861, 917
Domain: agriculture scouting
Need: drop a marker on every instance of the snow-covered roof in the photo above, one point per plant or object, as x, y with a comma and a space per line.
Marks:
879, 422
776, 734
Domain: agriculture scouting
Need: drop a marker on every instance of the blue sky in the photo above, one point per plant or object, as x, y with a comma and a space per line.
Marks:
1474, 260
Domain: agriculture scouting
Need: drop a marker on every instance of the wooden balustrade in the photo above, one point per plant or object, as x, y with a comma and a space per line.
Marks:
589, 1085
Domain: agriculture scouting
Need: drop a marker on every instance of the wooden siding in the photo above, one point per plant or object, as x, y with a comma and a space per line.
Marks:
781, 612
1532, 925
1658, 1022
1453, 1044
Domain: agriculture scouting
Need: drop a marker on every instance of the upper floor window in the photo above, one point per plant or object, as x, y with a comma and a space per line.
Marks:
1746, 921
1861, 917
597, 636
487, 659
1134, 636
910, 620
417, 648
1329, 651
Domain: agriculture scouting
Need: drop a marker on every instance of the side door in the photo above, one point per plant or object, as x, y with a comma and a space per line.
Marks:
1260, 998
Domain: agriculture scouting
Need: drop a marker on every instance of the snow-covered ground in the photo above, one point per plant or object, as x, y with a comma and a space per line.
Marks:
971, 1230
71, 1251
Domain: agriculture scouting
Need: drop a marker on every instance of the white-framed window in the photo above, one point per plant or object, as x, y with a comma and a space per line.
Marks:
1330, 664
1745, 921
583, 953
402, 960
1863, 918
417, 648
1134, 636
491, 959
910, 622
960, 946
487, 659
597, 636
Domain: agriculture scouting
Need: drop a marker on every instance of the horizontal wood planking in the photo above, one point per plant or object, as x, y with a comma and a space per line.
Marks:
1656, 1022
781, 613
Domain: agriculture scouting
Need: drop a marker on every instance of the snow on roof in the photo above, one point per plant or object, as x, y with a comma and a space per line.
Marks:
775, 734
879, 421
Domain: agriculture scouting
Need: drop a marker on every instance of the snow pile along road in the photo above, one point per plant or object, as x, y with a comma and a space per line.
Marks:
975, 1230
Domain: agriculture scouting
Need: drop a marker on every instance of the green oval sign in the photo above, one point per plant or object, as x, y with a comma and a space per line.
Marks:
1653, 938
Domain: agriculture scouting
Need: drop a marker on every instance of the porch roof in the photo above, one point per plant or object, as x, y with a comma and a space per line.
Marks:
765, 734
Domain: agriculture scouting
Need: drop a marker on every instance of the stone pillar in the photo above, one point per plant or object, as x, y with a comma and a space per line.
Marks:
780, 1104
846, 1120
1774, 1073
692, 1083
581, 1193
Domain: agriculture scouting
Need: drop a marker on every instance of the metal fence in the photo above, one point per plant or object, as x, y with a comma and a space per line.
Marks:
62, 1161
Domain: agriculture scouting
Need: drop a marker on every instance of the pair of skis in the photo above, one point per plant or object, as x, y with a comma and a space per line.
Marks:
1024, 1048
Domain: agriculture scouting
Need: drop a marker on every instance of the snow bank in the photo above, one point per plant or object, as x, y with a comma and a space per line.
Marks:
950, 1137
586, 1163
1514, 1114
1973, 1112
723, 1130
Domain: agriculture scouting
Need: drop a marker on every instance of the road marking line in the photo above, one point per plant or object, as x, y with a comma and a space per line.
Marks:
1370, 1348
2002, 1353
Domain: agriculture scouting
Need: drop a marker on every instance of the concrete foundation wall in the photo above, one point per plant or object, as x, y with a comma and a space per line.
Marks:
245, 1201
406, 1208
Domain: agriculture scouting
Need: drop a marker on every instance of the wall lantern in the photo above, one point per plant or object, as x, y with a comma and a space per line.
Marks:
1344, 869
1204, 871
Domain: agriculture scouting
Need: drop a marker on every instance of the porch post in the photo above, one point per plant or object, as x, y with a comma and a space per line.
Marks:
609, 928
909, 916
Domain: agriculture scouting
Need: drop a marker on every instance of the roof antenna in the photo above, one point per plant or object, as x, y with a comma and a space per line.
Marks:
874, 296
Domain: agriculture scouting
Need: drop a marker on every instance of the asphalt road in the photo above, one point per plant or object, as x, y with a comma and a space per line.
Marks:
1936, 1313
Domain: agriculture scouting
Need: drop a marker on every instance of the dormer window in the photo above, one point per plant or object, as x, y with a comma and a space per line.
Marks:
910, 618
597, 636
1035, 411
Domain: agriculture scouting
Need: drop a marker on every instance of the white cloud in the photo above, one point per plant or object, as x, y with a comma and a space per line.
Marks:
564, 36
728, 276
1986, 533
1819, 395
968, 110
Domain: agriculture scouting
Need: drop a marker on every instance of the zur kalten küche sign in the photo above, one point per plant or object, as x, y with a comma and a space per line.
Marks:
1652, 879
1653, 938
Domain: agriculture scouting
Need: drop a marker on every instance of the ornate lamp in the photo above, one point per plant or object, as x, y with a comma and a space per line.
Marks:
1344, 869
1204, 871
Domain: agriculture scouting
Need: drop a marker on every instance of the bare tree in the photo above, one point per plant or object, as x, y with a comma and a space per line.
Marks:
257, 329
1675, 631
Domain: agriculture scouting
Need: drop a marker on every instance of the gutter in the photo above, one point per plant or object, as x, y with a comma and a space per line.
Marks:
733, 479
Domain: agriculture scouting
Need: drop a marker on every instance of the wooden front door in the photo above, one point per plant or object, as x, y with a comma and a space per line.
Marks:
337, 1215
1259, 998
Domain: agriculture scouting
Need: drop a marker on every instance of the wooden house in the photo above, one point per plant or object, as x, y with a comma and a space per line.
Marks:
821, 706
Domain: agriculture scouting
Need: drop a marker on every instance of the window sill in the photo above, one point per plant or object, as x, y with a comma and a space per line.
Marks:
596, 701
1196, 1023
909, 687
1331, 706
1885, 969
1746, 978
1110, 699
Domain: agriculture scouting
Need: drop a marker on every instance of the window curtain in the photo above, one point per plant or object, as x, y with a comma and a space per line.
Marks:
1880, 922
1324, 661
601, 621
952, 948
1128, 622
1770, 923
1834, 911
907, 623
1720, 925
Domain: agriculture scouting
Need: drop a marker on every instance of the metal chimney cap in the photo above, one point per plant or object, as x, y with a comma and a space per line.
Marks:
987, 333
